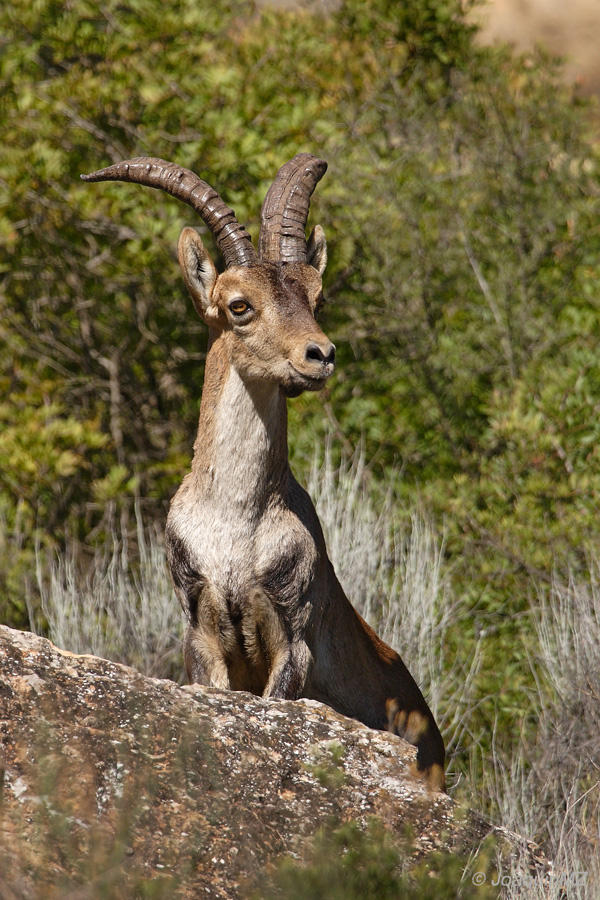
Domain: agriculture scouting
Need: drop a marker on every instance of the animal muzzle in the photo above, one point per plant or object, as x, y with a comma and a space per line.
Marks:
319, 357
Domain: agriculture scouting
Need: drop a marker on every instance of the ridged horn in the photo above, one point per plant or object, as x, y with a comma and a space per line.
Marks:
232, 239
285, 209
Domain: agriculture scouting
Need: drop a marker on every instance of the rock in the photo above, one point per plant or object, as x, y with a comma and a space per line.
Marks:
109, 774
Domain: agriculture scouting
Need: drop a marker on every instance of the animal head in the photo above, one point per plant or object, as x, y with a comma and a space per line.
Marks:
263, 306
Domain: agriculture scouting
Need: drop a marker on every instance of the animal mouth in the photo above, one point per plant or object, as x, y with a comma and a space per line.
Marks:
313, 381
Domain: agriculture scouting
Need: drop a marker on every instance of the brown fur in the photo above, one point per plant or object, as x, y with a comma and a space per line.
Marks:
266, 611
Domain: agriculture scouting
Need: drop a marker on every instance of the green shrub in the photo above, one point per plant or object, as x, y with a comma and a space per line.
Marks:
346, 862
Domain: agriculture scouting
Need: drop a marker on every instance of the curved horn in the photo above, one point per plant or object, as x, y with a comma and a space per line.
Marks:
232, 239
285, 209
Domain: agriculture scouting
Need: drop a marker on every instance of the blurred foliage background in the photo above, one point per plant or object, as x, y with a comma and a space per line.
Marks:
460, 208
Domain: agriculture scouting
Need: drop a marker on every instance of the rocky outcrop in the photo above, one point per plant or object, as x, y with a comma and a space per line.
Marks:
109, 774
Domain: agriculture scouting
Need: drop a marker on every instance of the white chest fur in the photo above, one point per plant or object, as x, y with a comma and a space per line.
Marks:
225, 516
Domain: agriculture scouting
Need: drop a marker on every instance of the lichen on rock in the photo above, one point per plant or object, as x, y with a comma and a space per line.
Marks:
108, 774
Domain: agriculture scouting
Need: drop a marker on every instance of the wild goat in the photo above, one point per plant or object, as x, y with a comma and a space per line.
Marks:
266, 612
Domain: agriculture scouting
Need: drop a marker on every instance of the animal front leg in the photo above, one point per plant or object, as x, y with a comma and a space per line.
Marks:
204, 659
419, 728
289, 672
280, 638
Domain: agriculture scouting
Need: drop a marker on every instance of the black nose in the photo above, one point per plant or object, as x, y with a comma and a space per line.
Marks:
322, 354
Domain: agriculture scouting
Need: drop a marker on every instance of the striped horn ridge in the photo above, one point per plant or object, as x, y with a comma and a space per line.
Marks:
232, 239
285, 209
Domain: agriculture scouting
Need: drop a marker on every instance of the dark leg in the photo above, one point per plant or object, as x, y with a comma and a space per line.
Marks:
418, 727
289, 673
204, 660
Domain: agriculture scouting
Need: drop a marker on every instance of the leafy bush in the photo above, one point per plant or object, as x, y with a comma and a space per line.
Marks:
345, 862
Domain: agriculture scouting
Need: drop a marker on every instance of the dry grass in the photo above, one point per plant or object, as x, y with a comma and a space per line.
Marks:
548, 789
115, 608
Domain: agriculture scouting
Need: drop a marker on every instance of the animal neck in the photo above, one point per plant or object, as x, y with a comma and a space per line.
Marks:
240, 452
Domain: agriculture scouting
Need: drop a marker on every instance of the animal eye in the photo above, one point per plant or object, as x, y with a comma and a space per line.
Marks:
238, 306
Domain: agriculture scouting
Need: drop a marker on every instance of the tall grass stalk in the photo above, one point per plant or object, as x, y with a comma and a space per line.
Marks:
115, 608
549, 789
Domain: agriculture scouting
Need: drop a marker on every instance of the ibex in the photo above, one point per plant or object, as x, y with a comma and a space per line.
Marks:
266, 612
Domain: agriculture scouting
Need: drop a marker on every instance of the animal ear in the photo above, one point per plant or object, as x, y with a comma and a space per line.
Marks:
316, 249
198, 270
